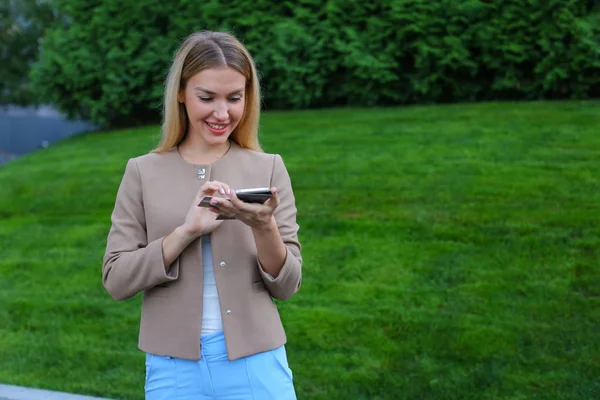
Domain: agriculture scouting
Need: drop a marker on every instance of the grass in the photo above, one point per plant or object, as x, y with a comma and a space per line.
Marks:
451, 252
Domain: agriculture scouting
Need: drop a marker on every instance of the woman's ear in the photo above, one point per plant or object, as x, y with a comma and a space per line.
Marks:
181, 96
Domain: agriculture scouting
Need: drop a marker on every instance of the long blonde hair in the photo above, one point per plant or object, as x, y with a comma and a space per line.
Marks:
206, 49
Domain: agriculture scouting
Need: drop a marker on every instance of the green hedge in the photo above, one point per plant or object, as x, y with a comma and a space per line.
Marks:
107, 61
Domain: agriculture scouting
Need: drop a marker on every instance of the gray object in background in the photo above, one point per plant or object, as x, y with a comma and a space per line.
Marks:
23, 130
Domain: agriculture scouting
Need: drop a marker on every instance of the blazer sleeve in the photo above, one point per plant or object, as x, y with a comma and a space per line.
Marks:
131, 264
289, 279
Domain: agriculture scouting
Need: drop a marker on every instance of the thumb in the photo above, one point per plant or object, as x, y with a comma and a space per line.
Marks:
274, 200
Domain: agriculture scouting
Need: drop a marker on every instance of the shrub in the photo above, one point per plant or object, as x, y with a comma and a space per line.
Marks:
108, 59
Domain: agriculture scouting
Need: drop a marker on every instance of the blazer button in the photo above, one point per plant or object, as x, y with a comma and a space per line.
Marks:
228, 312
222, 263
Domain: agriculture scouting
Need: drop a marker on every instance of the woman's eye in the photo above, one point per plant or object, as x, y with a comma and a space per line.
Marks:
235, 99
205, 98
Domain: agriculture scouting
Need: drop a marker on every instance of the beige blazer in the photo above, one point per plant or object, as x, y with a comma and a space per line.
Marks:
153, 199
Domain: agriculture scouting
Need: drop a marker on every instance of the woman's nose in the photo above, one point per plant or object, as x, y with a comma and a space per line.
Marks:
221, 111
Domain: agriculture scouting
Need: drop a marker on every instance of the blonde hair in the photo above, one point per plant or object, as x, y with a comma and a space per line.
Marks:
206, 49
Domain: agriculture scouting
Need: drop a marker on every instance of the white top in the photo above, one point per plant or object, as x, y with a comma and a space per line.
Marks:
211, 310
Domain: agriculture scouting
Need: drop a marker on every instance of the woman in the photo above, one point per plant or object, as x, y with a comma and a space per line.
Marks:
209, 326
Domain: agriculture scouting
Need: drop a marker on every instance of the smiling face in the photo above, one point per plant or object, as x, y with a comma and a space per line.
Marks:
214, 101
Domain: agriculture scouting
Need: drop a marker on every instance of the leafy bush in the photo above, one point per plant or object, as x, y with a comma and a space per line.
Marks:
22, 24
107, 61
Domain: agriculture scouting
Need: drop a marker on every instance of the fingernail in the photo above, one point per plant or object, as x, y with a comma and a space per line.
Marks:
213, 203
229, 192
222, 191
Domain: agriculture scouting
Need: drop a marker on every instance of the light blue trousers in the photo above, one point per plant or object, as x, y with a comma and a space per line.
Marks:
263, 376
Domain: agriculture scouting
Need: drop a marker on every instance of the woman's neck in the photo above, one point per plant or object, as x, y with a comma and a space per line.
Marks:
197, 152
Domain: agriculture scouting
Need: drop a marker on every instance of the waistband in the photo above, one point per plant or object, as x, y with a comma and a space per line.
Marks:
213, 344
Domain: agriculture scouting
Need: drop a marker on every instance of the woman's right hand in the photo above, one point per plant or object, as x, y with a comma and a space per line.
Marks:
202, 220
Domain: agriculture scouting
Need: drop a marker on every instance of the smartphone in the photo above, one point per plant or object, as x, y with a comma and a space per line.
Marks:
253, 195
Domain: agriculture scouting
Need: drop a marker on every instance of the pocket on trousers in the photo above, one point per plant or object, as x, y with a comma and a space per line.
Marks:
280, 358
160, 376
148, 368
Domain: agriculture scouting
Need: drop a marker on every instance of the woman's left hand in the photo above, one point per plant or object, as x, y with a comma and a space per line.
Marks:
252, 214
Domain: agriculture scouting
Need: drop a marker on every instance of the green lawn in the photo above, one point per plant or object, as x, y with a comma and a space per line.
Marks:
450, 252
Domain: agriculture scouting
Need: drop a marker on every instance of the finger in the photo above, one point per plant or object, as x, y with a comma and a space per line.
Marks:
225, 190
207, 189
273, 202
211, 187
223, 207
237, 203
222, 204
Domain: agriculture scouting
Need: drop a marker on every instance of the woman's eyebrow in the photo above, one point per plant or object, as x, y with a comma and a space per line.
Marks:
238, 91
